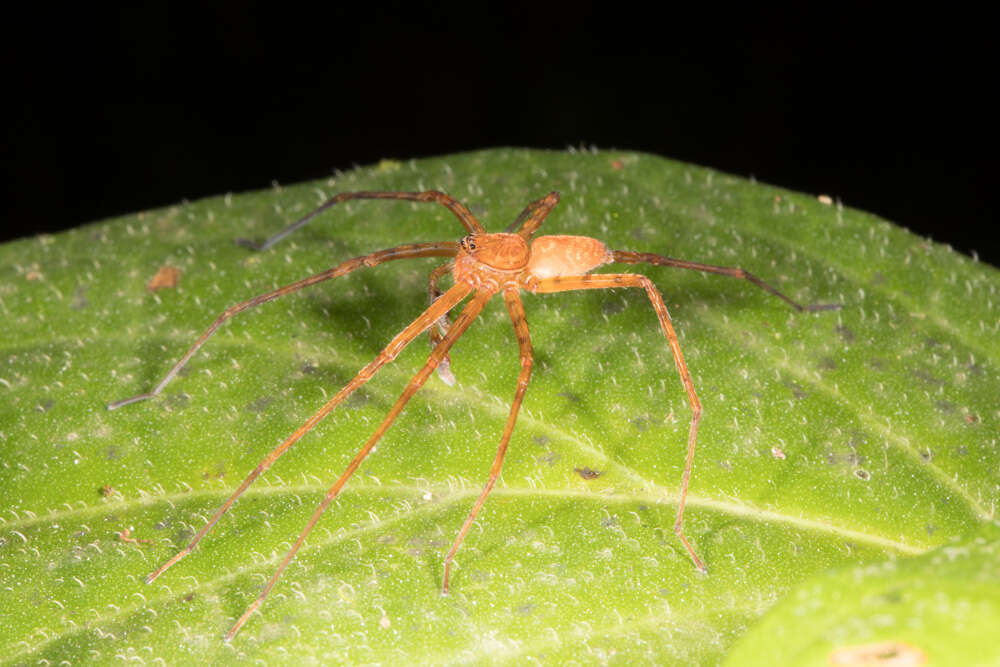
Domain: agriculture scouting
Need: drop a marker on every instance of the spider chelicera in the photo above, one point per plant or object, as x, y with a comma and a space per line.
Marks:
482, 265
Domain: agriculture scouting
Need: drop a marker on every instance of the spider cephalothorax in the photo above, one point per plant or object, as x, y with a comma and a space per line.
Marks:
482, 265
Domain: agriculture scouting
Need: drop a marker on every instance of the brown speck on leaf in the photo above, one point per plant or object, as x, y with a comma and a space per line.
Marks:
166, 277
125, 536
878, 654
617, 164
33, 275
587, 473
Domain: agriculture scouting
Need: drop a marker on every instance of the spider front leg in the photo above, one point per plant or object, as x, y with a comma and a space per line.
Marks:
446, 249
469, 313
516, 310
444, 322
531, 218
426, 319
613, 280
459, 209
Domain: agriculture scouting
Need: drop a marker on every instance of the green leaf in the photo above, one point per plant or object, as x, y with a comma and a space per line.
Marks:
941, 607
858, 438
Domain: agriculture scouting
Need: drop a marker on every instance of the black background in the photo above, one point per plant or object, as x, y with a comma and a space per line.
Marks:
116, 110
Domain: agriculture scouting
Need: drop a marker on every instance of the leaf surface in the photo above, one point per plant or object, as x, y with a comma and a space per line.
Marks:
844, 439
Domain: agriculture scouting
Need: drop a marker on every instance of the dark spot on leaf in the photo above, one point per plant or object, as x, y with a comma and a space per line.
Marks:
46, 406
188, 597
218, 473
797, 391
924, 376
176, 402
358, 399
541, 440
827, 364
550, 458
945, 407
925, 456
587, 473
572, 398
893, 596
862, 474
846, 334
612, 307
309, 368
182, 536
260, 405
112, 453
971, 419
609, 522
641, 423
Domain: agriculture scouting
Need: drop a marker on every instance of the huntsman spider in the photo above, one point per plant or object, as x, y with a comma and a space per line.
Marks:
483, 265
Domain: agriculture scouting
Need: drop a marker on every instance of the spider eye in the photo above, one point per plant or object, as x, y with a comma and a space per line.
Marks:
468, 244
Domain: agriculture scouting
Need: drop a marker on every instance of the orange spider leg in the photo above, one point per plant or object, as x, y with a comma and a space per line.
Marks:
535, 213
531, 209
445, 249
451, 298
458, 327
438, 332
516, 309
629, 257
461, 212
612, 280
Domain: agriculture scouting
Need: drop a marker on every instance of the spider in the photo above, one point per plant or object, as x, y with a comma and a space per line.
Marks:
483, 265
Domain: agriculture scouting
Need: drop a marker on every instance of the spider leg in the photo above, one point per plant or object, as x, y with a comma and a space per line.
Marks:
469, 313
533, 215
463, 214
438, 332
527, 212
629, 257
516, 310
612, 280
446, 249
426, 319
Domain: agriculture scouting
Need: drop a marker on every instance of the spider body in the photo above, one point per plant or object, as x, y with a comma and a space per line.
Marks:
483, 265
498, 261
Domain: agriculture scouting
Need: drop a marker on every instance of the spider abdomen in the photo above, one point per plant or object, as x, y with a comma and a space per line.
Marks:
554, 256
